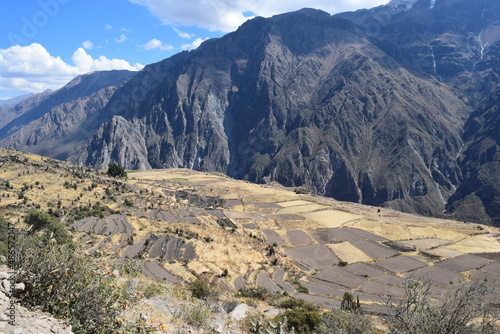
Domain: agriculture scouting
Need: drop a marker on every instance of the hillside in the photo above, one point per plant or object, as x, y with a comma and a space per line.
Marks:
179, 225
370, 107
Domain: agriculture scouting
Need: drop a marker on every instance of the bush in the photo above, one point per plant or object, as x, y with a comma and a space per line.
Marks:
62, 280
155, 289
300, 287
41, 221
300, 319
128, 202
196, 315
116, 170
338, 321
201, 290
254, 292
295, 303
4, 233
301, 315
463, 310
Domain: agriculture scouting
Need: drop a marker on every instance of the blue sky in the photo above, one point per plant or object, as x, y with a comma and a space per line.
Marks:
46, 43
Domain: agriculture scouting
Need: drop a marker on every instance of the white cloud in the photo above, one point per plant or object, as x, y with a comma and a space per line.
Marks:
88, 45
32, 69
121, 39
183, 34
107, 26
156, 44
196, 43
225, 15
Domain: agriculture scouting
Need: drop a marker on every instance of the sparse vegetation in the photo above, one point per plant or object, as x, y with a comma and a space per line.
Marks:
196, 315
52, 262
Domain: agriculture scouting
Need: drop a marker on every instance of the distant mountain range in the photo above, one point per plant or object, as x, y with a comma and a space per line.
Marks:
395, 106
15, 100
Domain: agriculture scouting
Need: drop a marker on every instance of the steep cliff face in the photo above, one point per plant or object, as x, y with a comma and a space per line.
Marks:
367, 106
478, 197
304, 99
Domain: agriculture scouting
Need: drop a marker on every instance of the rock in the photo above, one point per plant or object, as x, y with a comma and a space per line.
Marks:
19, 288
240, 312
3, 317
218, 327
272, 312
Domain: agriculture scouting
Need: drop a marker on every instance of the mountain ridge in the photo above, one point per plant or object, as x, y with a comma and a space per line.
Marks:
366, 106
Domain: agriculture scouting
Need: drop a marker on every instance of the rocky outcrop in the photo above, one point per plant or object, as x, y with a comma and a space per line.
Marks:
119, 140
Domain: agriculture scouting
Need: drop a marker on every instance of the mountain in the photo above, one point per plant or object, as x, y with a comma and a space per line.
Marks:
478, 196
59, 124
14, 100
9, 113
376, 106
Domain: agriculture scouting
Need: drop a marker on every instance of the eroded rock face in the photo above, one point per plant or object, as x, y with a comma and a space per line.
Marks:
304, 99
478, 196
367, 106
59, 123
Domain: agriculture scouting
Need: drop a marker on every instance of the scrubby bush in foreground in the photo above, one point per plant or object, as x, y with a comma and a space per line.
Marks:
462, 310
63, 281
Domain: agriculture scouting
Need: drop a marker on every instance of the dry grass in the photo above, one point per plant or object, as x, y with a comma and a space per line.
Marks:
477, 244
302, 208
237, 252
294, 203
332, 218
349, 253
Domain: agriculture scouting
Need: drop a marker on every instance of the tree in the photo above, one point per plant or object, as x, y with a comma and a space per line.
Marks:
462, 310
116, 170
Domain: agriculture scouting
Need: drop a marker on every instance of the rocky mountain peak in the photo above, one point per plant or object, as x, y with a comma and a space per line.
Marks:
366, 106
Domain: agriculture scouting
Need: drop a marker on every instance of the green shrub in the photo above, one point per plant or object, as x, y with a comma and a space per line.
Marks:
62, 280
295, 303
4, 233
254, 292
129, 267
155, 289
301, 315
41, 221
201, 290
300, 287
128, 202
300, 319
116, 170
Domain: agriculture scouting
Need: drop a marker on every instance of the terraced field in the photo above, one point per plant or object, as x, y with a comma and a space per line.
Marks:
333, 247
178, 225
